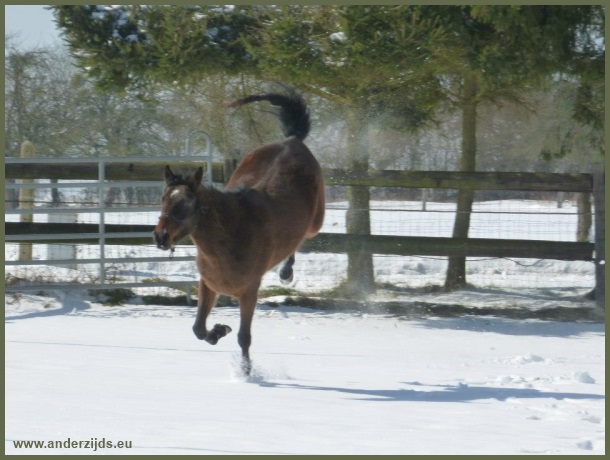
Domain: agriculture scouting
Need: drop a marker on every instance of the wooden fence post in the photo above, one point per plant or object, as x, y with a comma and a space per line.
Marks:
26, 200
599, 200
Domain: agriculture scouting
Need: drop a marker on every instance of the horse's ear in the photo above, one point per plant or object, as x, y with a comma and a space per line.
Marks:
169, 176
198, 176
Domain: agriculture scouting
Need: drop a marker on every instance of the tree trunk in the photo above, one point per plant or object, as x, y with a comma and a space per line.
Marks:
599, 202
456, 270
26, 200
585, 219
113, 194
55, 197
360, 272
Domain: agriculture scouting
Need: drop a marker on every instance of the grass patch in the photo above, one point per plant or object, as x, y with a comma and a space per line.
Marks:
113, 297
178, 300
276, 290
427, 289
183, 300
152, 280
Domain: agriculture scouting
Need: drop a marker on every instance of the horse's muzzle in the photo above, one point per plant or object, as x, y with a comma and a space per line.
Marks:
161, 239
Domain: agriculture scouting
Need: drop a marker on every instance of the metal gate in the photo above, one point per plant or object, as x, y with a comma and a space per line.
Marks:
103, 240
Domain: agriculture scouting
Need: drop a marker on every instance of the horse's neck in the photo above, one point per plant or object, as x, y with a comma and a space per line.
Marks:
210, 198
216, 207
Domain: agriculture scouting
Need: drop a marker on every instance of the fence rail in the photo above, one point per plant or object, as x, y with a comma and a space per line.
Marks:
463, 180
128, 169
336, 243
112, 172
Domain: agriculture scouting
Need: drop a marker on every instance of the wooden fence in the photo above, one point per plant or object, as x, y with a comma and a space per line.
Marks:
349, 243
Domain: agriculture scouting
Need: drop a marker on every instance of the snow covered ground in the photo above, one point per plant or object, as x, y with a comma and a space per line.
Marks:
82, 374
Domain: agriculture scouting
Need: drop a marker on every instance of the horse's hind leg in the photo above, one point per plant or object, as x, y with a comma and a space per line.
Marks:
205, 303
286, 273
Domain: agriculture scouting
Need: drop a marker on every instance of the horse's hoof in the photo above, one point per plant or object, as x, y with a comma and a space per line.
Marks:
221, 330
212, 337
217, 333
286, 276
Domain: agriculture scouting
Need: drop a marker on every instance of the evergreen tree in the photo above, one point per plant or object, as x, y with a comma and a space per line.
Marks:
495, 53
131, 46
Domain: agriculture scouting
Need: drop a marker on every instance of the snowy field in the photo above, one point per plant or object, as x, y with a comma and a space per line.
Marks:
324, 383
82, 374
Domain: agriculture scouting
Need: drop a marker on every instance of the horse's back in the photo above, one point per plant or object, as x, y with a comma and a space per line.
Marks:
278, 169
290, 181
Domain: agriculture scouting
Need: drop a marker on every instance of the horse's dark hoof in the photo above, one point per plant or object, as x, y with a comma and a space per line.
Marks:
221, 330
212, 337
286, 275
217, 333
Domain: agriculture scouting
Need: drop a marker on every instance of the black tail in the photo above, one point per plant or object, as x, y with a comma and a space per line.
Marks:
293, 114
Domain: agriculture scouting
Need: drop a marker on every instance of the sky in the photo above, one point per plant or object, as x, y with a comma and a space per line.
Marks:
33, 23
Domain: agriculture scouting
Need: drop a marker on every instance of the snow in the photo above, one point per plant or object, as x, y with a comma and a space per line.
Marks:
338, 37
323, 383
223, 9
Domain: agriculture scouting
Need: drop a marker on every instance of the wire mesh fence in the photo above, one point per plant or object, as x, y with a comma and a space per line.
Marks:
554, 218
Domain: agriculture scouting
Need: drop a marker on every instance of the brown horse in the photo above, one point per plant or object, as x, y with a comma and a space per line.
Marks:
273, 201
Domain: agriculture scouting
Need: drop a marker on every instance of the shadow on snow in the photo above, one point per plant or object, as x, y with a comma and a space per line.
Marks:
69, 304
451, 393
516, 327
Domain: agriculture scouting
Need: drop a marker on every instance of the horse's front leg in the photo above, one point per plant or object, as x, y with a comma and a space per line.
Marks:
247, 305
205, 302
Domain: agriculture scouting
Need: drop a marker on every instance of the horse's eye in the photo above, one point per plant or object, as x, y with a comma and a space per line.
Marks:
182, 210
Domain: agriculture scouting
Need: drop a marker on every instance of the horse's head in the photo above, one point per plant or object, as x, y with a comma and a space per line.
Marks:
180, 208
